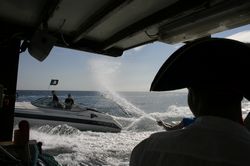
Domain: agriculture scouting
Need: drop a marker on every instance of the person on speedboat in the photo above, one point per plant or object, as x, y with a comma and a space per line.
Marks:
69, 102
55, 100
214, 71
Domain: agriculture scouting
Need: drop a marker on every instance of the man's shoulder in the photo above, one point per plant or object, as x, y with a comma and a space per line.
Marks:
167, 137
155, 137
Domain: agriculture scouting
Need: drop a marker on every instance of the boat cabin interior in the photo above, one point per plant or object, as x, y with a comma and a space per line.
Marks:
105, 27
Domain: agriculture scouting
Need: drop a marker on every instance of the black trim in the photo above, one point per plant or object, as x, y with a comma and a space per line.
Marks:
66, 119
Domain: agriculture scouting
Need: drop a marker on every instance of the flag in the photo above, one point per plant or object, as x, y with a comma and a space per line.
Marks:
54, 82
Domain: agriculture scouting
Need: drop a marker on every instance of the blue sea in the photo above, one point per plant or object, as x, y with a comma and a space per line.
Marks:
136, 111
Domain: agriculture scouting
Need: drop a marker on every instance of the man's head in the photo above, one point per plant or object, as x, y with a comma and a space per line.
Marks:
212, 67
215, 102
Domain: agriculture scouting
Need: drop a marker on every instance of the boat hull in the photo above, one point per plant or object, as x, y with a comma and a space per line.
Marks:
80, 126
82, 119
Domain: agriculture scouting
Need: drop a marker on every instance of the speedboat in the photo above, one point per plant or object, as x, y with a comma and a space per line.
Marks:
42, 111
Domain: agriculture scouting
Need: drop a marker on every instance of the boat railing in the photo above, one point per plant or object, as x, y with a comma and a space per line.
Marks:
46, 102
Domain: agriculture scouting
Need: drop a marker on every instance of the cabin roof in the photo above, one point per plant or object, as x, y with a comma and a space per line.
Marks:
111, 27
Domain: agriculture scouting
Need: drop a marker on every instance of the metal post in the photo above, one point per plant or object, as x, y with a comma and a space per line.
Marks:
9, 57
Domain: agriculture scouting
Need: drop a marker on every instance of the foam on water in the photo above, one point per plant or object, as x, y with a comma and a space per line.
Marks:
89, 148
172, 114
59, 130
73, 147
144, 123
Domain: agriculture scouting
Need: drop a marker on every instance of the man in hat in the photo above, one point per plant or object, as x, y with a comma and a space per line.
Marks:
214, 72
69, 102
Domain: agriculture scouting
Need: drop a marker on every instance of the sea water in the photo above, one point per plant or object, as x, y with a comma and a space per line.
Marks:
136, 111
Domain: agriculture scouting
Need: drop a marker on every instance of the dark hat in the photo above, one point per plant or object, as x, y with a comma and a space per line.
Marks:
210, 62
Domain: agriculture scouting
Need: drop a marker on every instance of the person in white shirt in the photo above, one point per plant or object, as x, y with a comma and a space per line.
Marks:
214, 71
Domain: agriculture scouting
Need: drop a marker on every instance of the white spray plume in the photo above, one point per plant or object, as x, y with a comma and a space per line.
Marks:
104, 72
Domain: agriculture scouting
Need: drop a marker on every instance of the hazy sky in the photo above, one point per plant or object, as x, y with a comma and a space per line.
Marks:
76, 70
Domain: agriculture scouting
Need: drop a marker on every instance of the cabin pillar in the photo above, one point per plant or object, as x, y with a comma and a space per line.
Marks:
9, 58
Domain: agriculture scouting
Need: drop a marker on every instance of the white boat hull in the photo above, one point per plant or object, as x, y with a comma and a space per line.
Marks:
81, 119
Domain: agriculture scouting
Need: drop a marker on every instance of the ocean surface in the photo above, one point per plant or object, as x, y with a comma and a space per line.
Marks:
72, 147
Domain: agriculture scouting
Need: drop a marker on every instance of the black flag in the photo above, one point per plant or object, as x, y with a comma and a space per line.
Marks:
54, 82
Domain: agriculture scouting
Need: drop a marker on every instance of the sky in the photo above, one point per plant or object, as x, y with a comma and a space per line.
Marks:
83, 71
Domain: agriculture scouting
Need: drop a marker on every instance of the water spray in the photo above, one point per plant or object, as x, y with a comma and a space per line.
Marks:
104, 71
